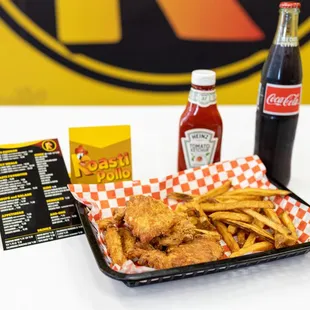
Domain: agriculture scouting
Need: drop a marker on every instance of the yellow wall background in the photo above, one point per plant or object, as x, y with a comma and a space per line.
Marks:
31, 78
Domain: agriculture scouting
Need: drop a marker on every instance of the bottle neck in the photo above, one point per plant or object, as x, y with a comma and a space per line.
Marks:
287, 31
202, 96
206, 88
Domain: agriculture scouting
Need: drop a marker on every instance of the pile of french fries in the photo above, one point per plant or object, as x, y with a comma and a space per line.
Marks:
244, 218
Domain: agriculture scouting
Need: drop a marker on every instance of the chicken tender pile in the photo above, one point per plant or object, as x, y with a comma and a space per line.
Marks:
151, 234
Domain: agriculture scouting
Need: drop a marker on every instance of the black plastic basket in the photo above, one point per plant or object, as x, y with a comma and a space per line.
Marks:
158, 276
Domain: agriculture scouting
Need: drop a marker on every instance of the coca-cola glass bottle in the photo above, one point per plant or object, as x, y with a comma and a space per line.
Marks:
279, 97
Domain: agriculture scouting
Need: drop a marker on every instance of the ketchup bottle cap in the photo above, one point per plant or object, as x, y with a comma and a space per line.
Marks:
290, 5
203, 77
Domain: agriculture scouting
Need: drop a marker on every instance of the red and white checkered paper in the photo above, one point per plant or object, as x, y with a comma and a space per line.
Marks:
242, 172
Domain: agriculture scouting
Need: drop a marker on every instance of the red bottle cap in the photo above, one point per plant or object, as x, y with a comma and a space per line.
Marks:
290, 5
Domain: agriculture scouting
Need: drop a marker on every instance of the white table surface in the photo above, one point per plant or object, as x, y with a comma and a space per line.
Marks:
63, 274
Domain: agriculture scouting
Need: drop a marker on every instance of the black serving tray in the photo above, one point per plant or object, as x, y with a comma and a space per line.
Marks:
158, 276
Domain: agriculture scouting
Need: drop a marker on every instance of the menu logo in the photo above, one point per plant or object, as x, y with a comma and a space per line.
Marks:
151, 44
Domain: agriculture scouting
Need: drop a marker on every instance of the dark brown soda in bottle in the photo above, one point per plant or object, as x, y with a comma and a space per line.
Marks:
279, 97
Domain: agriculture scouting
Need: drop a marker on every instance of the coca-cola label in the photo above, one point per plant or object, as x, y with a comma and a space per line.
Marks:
282, 99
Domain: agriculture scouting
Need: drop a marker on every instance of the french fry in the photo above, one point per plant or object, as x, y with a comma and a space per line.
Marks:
252, 236
286, 220
282, 241
209, 207
221, 216
257, 247
241, 237
199, 209
232, 229
190, 208
210, 200
228, 238
194, 220
272, 215
229, 198
253, 228
268, 222
181, 196
212, 234
181, 207
192, 212
215, 192
258, 192
204, 223
279, 239
203, 218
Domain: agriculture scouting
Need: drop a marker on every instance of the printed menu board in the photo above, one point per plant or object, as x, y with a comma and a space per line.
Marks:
35, 203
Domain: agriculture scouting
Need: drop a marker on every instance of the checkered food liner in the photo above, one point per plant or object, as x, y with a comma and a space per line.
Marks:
100, 199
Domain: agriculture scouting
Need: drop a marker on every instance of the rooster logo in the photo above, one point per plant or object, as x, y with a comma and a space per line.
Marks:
80, 160
49, 145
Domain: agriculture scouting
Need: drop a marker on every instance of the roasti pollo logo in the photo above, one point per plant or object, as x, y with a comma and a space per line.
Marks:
150, 44
105, 169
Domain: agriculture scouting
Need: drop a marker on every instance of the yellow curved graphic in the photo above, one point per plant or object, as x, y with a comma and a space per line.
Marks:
18, 145
125, 74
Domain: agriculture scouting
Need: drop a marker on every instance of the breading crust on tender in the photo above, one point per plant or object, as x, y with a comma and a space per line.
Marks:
200, 250
182, 231
128, 240
114, 246
148, 218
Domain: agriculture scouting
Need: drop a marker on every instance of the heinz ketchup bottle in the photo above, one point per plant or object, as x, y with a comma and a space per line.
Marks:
200, 134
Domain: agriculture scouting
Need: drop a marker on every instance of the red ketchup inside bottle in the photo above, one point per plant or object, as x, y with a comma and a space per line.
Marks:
200, 128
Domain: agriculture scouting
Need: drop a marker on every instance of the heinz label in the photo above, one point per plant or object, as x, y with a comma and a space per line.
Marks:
199, 146
282, 99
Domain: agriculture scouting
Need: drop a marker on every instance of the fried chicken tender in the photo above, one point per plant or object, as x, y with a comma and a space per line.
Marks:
152, 258
182, 231
136, 251
105, 223
128, 240
200, 250
117, 220
118, 216
148, 218
114, 246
